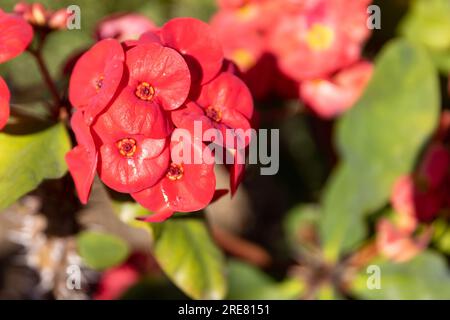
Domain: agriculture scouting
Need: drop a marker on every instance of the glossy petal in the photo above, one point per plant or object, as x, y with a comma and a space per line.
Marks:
82, 165
129, 114
192, 192
135, 173
4, 103
227, 92
15, 36
195, 40
164, 69
82, 160
96, 77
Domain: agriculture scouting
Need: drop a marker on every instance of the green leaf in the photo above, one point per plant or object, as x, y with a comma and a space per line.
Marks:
424, 277
26, 160
379, 140
428, 23
249, 283
187, 254
100, 250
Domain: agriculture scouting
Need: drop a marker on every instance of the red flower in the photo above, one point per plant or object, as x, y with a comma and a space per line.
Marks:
38, 15
82, 160
187, 186
15, 36
128, 161
116, 281
124, 27
200, 47
4, 103
223, 103
320, 37
96, 77
331, 97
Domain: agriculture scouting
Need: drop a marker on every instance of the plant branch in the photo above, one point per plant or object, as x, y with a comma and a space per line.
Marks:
48, 81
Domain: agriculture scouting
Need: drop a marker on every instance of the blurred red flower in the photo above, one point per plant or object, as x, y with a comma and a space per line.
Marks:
124, 27
332, 96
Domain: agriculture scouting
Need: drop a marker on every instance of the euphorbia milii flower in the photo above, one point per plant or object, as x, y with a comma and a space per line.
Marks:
195, 40
187, 186
434, 167
96, 77
128, 162
158, 78
319, 38
124, 27
224, 103
4, 103
82, 160
331, 97
243, 44
15, 36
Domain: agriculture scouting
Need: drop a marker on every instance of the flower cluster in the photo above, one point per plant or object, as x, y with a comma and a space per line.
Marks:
291, 48
40, 17
132, 101
418, 198
15, 36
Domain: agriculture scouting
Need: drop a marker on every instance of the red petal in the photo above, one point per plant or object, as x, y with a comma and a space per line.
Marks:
227, 92
15, 36
193, 192
132, 115
82, 131
164, 69
186, 116
198, 44
96, 77
4, 103
82, 165
133, 174
162, 215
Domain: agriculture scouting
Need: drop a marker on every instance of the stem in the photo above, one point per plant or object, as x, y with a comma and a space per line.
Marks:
49, 81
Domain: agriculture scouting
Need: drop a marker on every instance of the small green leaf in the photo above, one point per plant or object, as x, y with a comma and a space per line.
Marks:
100, 250
247, 282
184, 250
187, 254
379, 140
27, 159
424, 277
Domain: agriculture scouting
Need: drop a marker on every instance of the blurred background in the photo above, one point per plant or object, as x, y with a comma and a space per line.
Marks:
309, 232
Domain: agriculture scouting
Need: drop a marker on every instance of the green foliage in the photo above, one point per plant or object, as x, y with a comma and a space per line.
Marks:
248, 282
100, 250
27, 159
185, 252
424, 277
428, 23
379, 140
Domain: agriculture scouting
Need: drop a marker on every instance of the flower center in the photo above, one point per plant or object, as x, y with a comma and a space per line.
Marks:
99, 83
175, 172
214, 114
243, 58
127, 147
319, 37
145, 91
